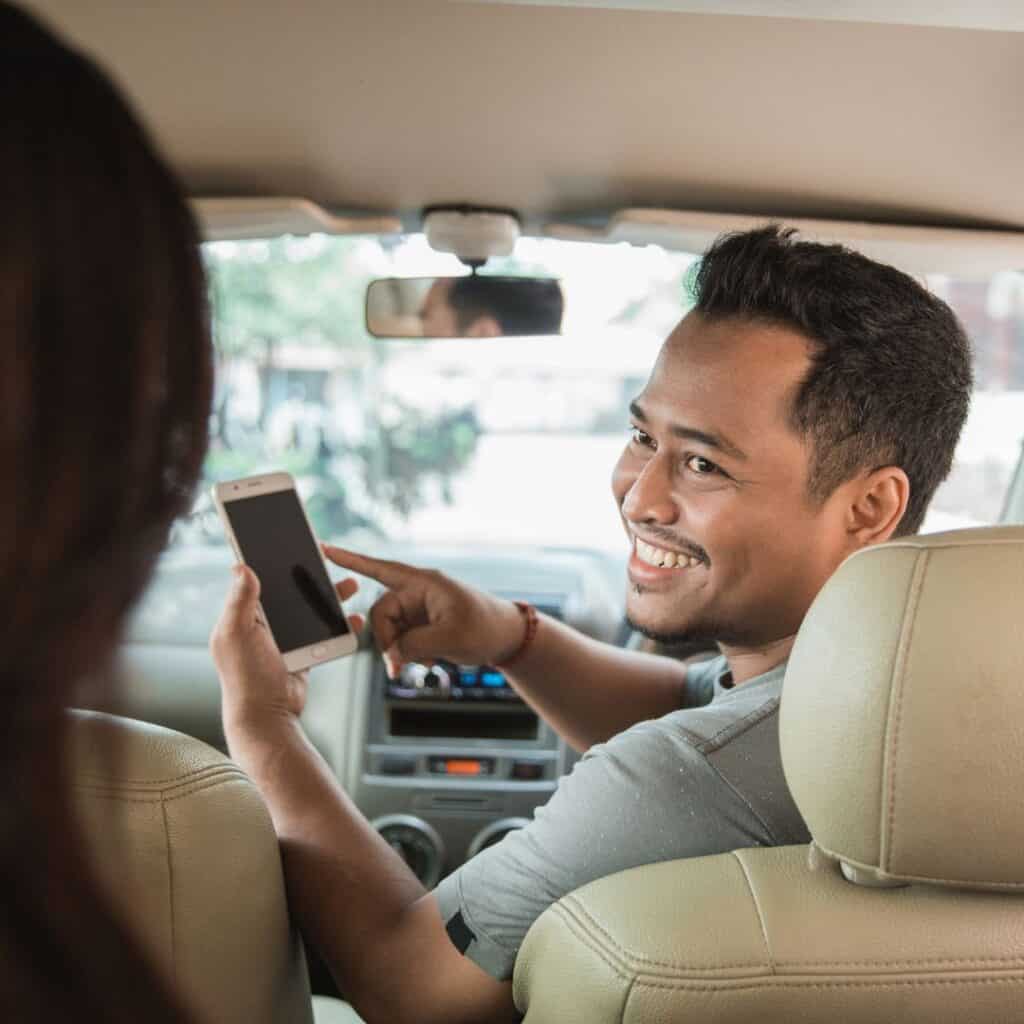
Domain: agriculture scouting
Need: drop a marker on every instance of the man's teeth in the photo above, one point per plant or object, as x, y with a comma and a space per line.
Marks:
663, 559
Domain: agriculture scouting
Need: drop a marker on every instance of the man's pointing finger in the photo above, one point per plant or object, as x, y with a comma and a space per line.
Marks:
391, 574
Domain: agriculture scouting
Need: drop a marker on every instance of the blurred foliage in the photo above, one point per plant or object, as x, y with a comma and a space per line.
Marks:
304, 290
311, 292
420, 450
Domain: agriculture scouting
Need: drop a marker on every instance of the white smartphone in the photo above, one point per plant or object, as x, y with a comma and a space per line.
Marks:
271, 533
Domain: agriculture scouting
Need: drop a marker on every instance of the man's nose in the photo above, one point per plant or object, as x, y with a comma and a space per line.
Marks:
649, 498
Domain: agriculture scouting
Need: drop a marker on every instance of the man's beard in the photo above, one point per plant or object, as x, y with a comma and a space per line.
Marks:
696, 634
693, 636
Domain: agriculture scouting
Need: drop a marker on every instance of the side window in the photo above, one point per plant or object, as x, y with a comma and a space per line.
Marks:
977, 490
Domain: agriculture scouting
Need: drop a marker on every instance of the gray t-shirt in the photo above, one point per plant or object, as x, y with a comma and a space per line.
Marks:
702, 780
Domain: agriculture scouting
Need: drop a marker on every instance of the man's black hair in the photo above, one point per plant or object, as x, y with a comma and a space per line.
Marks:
520, 305
890, 377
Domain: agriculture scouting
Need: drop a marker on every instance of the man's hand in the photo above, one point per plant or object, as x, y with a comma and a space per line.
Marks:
424, 615
255, 685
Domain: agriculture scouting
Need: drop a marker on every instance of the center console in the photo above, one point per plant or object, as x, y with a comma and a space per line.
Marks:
454, 760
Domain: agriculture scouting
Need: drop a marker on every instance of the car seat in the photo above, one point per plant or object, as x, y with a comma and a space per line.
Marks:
902, 737
183, 843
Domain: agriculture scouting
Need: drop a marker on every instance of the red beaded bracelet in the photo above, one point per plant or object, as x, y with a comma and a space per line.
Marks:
530, 614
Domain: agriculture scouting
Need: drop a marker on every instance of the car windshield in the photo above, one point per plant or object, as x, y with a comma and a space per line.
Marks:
473, 443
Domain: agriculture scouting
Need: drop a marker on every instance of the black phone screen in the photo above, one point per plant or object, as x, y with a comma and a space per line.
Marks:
295, 591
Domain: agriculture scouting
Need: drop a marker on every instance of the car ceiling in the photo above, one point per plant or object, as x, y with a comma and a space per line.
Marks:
573, 110
997, 14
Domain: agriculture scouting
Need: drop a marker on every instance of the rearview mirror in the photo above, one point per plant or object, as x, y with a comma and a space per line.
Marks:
472, 306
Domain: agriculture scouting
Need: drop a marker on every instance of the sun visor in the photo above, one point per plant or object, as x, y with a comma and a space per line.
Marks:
960, 252
269, 217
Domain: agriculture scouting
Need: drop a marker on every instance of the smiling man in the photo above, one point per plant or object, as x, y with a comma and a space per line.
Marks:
808, 406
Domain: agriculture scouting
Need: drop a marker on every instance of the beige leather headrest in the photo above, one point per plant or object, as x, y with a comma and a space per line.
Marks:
902, 721
184, 845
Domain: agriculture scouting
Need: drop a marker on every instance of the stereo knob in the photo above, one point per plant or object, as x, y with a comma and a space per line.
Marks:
439, 679
426, 677
417, 843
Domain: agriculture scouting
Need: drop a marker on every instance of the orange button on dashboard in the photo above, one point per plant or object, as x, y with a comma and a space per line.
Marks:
461, 766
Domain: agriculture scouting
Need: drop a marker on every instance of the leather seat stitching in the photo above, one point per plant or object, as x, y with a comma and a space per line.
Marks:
184, 776
776, 982
587, 921
581, 934
757, 910
630, 989
628, 955
162, 783
1015, 960
170, 894
210, 784
888, 840
164, 796
579, 930
947, 546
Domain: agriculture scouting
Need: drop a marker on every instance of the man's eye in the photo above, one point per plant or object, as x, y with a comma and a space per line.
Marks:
640, 438
701, 466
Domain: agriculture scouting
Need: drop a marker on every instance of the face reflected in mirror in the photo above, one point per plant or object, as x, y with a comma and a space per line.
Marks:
471, 306
440, 319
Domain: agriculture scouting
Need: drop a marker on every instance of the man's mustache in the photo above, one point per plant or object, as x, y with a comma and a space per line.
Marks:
688, 547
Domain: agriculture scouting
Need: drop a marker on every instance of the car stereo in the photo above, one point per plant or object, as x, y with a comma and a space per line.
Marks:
445, 681
453, 757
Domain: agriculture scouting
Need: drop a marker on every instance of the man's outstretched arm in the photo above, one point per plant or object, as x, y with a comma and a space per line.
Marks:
587, 691
352, 896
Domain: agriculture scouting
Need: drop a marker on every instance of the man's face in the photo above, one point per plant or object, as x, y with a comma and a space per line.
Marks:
714, 479
438, 317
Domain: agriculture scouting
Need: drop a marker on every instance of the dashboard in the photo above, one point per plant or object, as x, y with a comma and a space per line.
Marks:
445, 759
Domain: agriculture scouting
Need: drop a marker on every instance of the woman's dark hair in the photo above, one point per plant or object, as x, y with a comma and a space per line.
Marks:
890, 377
105, 384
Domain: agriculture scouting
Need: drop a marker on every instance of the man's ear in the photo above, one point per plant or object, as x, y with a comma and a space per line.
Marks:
877, 505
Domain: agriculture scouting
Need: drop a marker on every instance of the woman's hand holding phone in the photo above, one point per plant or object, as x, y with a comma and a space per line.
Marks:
256, 687
422, 615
